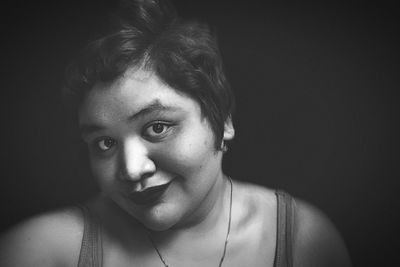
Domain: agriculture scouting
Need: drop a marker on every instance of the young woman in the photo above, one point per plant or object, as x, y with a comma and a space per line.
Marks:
155, 109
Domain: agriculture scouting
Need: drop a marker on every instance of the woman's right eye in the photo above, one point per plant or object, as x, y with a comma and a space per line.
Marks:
105, 144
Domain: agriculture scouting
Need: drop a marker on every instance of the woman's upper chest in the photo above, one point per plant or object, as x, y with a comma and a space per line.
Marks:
252, 240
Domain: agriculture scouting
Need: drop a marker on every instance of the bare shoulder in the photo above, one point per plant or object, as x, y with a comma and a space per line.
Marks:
50, 239
255, 192
316, 240
256, 202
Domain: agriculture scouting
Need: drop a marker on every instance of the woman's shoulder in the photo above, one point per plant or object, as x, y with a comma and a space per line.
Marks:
254, 222
255, 193
254, 202
49, 239
316, 241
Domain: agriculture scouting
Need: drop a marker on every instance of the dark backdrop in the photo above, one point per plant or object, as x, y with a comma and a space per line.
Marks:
316, 95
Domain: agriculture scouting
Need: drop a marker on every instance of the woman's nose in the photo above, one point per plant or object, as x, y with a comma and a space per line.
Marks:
135, 161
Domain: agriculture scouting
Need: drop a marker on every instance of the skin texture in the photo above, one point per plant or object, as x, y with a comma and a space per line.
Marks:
142, 133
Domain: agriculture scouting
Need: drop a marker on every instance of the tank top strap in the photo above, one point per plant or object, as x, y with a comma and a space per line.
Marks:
91, 254
284, 237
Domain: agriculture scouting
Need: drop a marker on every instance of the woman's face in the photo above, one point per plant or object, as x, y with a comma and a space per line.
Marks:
150, 149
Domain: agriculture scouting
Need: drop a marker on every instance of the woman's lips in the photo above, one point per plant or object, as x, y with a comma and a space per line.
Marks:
149, 195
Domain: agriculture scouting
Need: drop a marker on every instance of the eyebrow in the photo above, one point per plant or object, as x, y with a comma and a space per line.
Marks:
154, 106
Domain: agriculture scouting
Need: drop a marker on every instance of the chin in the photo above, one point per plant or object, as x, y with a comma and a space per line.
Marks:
157, 226
160, 218
156, 218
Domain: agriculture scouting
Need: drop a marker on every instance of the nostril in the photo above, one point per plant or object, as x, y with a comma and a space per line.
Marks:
146, 175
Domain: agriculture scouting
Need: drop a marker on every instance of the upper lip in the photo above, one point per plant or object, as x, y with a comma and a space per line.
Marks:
148, 194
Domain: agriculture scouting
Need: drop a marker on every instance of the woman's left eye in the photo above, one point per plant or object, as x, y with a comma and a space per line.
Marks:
157, 129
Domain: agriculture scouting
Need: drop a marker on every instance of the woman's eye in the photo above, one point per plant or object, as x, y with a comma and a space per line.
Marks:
105, 144
156, 129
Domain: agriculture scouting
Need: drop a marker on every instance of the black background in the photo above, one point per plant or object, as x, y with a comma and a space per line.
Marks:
317, 115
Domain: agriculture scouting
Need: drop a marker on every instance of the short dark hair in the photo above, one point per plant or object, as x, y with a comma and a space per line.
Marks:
148, 33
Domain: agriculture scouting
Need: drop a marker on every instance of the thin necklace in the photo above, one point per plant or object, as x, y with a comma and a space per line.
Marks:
226, 238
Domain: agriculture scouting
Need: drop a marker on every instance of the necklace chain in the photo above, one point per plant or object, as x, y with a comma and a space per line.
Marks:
226, 238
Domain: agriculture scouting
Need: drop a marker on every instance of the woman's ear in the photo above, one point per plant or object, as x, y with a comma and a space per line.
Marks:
229, 131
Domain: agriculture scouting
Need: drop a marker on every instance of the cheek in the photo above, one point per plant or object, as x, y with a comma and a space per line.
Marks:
187, 154
103, 171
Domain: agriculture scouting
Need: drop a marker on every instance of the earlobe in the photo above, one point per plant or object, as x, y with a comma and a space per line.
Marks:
229, 130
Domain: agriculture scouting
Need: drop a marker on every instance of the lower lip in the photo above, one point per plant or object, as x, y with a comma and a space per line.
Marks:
149, 196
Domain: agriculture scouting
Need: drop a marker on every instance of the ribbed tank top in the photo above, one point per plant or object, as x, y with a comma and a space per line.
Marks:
91, 254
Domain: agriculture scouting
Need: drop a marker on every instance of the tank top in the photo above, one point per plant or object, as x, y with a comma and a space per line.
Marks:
91, 254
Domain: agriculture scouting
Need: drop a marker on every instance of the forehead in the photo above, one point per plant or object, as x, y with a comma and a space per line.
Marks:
135, 90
